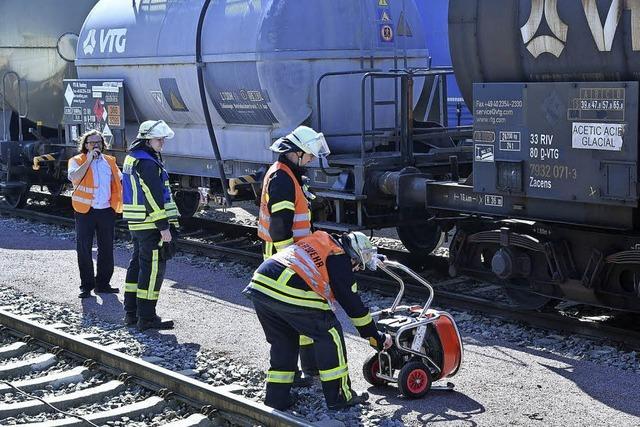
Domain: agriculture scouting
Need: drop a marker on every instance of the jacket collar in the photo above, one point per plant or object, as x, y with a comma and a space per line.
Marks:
297, 171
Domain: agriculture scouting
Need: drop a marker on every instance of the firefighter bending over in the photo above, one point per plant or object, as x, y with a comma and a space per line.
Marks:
294, 292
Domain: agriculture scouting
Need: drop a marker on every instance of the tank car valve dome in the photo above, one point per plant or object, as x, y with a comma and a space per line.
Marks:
360, 249
306, 139
155, 129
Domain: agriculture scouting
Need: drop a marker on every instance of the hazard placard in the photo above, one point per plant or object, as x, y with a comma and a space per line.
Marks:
384, 15
386, 33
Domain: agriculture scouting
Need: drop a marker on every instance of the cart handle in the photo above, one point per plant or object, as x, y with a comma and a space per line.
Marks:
385, 265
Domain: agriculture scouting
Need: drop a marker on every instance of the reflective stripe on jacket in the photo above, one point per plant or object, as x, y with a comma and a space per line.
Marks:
308, 259
84, 190
141, 210
300, 207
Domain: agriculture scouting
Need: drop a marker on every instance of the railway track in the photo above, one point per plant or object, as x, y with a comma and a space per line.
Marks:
239, 242
53, 378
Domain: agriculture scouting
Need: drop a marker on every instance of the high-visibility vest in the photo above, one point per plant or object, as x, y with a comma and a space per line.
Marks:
84, 189
140, 208
301, 213
308, 259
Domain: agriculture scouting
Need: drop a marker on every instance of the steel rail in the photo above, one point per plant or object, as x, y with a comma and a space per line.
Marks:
190, 390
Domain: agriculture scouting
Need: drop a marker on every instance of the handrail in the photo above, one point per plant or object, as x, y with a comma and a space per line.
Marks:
439, 71
333, 74
4, 101
383, 263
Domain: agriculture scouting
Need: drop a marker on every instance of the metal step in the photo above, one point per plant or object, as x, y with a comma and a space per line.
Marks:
340, 195
385, 103
345, 228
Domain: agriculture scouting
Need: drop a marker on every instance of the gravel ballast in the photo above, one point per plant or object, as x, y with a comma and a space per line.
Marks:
513, 374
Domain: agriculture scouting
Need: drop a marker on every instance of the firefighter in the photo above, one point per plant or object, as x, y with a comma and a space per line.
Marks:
152, 216
294, 292
285, 215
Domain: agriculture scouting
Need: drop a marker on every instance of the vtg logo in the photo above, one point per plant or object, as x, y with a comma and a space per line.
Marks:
545, 43
603, 34
110, 39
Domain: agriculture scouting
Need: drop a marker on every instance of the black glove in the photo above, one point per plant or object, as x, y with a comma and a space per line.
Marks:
377, 342
169, 249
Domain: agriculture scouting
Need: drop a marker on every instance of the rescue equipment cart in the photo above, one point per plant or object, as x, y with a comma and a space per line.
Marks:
426, 343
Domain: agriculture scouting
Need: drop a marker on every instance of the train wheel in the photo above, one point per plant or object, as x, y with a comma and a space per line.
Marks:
420, 238
414, 380
526, 300
17, 199
188, 203
370, 371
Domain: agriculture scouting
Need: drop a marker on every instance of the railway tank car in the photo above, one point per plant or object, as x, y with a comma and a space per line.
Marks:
230, 77
552, 205
37, 51
261, 61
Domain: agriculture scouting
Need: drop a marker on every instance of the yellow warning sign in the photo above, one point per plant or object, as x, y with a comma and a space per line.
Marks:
383, 2
385, 17
176, 104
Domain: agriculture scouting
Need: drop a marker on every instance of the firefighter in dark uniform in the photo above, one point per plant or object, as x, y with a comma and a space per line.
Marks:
294, 292
285, 215
152, 216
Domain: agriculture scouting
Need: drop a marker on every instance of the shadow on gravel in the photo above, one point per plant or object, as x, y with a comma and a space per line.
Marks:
106, 307
612, 389
608, 385
443, 406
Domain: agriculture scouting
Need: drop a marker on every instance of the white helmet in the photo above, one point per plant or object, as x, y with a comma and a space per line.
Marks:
360, 249
305, 139
155, 129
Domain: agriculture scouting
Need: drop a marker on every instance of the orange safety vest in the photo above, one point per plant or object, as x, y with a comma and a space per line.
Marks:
308, 259
84, 189
301, 215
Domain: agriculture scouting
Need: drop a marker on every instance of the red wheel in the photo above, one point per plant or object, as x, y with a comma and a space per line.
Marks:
370, 371
414, 380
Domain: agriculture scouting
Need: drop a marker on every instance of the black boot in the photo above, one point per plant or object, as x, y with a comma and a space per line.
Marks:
130, 319
356, 399
147, 317
302, 380
308, 361
154, 323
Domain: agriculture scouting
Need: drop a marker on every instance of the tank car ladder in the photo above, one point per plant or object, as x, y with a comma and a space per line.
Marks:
21, 116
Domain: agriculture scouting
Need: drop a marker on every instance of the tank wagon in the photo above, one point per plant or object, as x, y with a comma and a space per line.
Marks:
37, 51
551, 207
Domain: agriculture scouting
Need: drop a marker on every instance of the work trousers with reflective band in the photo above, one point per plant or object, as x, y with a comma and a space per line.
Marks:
282, 328
307, 353
144, 275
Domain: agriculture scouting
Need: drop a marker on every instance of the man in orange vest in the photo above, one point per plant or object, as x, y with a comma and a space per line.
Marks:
285, 216
96, 198
294, 293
